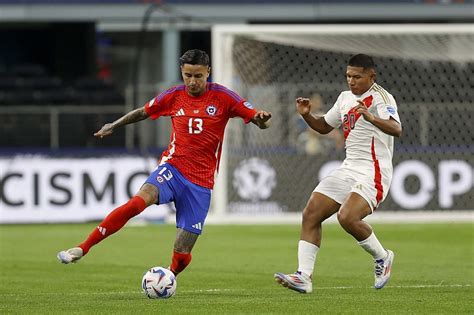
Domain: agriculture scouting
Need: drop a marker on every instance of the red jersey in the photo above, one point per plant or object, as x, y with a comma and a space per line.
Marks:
198, 124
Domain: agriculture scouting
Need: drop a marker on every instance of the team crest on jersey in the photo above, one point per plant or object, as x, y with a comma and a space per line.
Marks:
211, 110
248, 105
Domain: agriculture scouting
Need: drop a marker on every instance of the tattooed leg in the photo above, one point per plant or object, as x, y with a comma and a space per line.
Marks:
182, 250
149, 193
184, 241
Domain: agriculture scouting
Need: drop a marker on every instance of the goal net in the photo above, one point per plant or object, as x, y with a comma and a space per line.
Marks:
429, 70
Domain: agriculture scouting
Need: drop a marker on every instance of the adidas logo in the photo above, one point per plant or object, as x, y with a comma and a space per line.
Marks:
197, 226
102, 230
180, 112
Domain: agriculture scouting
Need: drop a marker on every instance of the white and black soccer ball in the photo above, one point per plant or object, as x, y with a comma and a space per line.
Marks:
159, 283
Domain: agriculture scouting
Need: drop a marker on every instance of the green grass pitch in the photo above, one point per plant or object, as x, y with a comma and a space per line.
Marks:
232, 271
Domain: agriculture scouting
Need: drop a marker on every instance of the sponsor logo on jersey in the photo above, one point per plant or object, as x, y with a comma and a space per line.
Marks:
196, 111
391, 110
180, 112
248, 105
160, 179
211, 110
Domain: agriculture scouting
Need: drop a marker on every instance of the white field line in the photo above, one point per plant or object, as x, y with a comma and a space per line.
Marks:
405, 217
421, 286
466, 216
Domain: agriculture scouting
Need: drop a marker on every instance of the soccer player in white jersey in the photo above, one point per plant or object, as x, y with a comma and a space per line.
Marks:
368, 114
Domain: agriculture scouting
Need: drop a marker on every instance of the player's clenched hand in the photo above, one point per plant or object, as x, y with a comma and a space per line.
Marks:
363, 110
106, 130
263, 116
303, 105
261, 119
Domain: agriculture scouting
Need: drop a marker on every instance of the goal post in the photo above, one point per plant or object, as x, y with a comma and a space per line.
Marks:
427, 67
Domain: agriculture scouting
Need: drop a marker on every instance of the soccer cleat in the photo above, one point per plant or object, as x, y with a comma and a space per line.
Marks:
295, 281
71, 255
383, 269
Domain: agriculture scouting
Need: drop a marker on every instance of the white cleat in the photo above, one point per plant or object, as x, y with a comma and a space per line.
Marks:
295, 281
383, 270
71, 255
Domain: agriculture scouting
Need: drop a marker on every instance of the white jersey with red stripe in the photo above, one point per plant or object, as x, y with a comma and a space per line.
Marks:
361, 136
369, 150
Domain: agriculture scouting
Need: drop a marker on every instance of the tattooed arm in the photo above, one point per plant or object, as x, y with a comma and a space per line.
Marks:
129, 118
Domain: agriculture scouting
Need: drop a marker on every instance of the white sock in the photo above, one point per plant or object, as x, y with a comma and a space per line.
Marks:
306, 257
372, 245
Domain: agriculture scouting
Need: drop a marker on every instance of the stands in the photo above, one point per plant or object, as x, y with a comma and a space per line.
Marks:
30, 85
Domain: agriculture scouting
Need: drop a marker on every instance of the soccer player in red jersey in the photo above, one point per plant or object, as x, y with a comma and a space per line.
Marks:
199, 112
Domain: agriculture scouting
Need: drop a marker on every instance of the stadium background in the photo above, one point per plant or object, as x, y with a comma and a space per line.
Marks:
67, 67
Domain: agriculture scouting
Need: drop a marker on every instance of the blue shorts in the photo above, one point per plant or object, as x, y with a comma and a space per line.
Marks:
191, 201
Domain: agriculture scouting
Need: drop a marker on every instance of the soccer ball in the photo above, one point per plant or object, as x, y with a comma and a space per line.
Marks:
159, 283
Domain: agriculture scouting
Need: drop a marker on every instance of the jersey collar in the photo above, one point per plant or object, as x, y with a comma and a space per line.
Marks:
366, 93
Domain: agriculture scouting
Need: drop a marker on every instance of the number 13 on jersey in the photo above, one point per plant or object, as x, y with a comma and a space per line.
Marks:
195, 125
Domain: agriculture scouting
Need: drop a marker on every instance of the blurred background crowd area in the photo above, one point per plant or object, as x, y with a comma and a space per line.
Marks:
67, 67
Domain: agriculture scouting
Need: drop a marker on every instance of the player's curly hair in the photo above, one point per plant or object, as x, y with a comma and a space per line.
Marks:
195, 57
362, 60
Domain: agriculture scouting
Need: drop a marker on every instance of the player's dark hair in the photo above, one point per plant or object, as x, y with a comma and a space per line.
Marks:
362, 60
195, 57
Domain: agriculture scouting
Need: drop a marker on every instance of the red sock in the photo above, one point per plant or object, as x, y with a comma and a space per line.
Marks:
179, 262
114, 222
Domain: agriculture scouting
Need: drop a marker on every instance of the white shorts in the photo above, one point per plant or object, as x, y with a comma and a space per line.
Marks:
362, 177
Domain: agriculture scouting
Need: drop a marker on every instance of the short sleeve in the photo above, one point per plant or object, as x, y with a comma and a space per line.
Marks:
385, 111
161, 104
333, 116
238, 106
244, 110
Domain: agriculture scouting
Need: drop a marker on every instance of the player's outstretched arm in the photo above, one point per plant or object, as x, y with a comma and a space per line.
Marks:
303, 106
262, 119
129, 118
